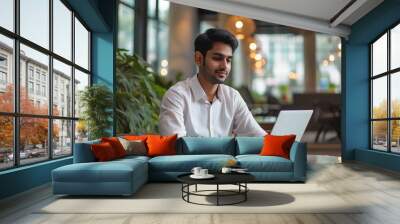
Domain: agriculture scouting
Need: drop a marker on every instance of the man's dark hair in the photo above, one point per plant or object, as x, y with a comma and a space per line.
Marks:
204, 42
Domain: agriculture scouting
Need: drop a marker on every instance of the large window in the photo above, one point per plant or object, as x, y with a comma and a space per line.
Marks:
126, 21
385, 95
44, 64
158, 35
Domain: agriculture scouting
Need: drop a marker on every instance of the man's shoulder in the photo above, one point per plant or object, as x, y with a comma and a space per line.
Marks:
178, 89
229, 91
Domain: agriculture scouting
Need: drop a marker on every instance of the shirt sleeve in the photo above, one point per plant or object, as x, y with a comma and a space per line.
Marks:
244, 123
171, 114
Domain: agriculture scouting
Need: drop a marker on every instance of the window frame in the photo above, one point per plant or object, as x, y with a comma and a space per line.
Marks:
388, 74
16, 115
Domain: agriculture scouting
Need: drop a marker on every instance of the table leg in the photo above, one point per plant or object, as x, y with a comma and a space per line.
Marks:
196, 188
245, 193
217, 194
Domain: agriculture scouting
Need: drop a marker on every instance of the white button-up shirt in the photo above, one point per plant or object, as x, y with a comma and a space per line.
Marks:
186, 111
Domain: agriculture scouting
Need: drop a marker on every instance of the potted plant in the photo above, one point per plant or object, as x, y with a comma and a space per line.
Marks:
96, 102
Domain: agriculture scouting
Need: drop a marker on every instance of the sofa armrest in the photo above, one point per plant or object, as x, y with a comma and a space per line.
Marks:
298, 155
83, 152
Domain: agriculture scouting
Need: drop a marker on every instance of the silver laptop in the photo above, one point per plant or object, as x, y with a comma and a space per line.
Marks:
292, 122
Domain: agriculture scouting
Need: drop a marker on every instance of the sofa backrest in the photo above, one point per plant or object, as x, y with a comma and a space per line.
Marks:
83, 152
249, 145
206, 145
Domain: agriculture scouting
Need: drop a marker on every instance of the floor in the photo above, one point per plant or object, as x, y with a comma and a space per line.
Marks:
378, 188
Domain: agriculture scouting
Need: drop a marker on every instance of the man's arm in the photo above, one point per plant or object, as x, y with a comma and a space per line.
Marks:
171, 114
244, 123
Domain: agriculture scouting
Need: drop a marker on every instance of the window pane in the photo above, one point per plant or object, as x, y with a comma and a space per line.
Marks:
395, 47
126, 21
7, 14
395, 136
62, 29
151, 8
163, 10
129, 2
62, 89
81, 45
62, 138
34, 72
35, 21
6, 74
379, 135
151, 43
379, 98
379, 55
6, 142
81, 131
33, 139
395, 94
81, 81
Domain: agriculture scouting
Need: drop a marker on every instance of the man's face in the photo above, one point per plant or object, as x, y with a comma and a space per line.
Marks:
216, 65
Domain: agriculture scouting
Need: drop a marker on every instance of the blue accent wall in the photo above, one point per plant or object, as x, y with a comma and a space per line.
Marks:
355, 79
99, 16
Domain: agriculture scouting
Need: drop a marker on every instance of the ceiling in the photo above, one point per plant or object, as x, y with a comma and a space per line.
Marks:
325, 16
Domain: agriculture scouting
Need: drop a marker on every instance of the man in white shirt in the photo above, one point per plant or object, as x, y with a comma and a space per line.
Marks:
202, 105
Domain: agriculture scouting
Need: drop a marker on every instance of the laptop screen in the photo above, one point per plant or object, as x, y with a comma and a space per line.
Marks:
292, 122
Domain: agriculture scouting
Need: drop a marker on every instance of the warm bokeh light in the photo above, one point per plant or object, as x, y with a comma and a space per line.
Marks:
163, 72
253, 46
331, 58
164, 63
240, 36
258, 56
325, 62
253, 55
293, 76
239, 24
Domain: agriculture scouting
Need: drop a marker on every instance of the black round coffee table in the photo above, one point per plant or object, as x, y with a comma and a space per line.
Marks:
238, 179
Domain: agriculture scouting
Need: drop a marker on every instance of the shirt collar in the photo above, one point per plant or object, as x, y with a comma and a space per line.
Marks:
198, 91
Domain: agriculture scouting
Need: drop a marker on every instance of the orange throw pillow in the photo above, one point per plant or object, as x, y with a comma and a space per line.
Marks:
103, 151
116, 145
161, 145
135, 137
275, 145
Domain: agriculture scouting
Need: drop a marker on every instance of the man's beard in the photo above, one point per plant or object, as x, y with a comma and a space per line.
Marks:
212, 79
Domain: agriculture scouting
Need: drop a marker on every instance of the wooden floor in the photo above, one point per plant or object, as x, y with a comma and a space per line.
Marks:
354, 182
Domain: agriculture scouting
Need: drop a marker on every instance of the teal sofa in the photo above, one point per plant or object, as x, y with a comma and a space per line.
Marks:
125, 176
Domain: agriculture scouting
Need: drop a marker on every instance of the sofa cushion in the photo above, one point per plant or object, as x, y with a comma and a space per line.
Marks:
257, 163
134, 147
249, 145
161, 145
277, 145
116, 144
207, 145
185, 163
103, 151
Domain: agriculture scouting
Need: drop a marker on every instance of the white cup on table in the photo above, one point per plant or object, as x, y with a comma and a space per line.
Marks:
196, 170
203, 172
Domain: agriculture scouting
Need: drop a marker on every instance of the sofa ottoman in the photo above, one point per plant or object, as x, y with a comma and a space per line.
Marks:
118, 177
